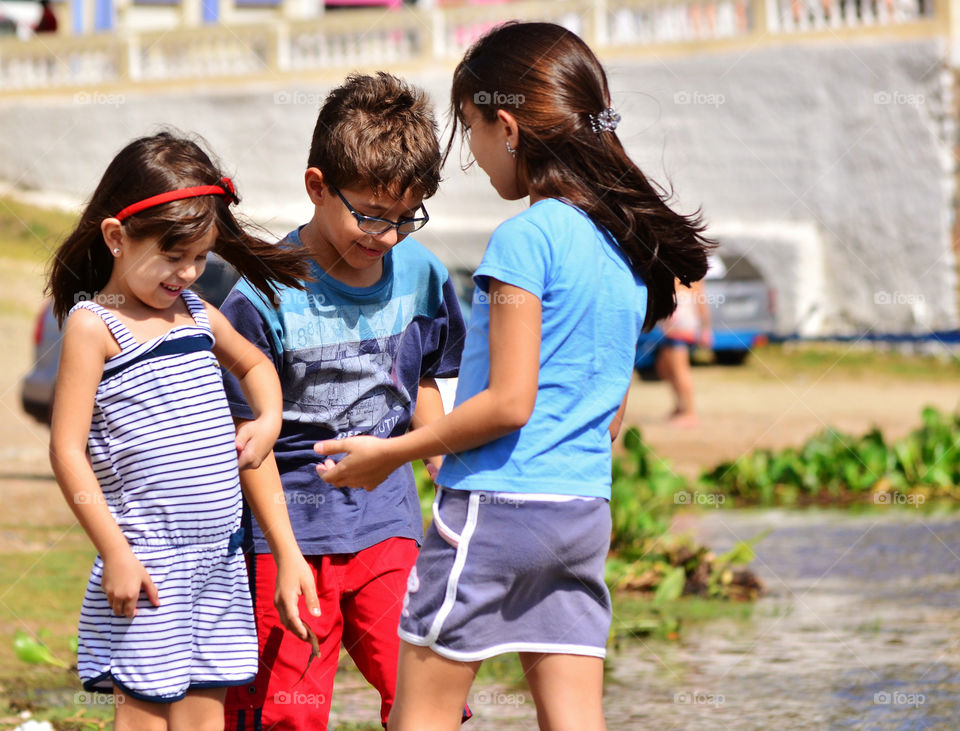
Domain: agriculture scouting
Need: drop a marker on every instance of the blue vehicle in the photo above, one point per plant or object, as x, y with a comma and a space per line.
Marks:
742, 307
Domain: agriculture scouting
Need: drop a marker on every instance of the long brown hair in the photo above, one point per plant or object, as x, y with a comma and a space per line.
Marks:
551, 82
146, 167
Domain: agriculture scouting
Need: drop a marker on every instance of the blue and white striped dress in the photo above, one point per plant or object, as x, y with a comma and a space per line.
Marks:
162, 448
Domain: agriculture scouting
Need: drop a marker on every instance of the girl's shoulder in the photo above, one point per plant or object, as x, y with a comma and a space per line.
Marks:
85, 325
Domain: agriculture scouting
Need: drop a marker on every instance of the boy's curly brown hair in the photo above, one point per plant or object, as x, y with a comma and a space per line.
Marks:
377, 131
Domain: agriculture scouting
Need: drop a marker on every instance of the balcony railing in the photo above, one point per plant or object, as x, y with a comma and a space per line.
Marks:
369, 38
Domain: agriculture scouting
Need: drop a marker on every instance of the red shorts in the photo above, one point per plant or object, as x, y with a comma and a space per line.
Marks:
361, 595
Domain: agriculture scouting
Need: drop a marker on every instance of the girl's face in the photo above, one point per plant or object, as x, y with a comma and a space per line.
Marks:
155, 277
488, 145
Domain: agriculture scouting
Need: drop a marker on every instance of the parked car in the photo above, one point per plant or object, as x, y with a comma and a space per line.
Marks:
741, 304
742, 307
36, 389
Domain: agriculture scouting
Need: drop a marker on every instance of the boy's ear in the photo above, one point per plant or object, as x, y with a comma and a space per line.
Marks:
315, 185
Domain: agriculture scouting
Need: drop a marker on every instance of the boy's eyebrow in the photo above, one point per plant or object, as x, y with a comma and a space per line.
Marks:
383, 209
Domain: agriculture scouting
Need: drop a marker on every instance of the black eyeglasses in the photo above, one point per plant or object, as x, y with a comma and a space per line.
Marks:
376, 226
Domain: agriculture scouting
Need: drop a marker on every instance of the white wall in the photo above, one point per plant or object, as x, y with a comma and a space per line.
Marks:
828, 163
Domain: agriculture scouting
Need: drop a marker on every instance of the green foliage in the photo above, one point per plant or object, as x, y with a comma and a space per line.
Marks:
836, 467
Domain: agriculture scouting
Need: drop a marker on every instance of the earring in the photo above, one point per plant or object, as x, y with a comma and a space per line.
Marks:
116, 252
512, 152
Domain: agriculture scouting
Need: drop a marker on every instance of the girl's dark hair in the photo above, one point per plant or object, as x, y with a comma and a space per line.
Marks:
146, 167
550, 81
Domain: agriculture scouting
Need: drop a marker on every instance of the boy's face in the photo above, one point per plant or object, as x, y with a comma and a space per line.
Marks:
348, 247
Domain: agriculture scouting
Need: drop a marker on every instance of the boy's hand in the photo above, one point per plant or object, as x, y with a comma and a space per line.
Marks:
123, 578
295, 579
368, 461
254, 441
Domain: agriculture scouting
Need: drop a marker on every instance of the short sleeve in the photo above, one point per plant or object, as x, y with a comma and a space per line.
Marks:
519, 254
249, 322
445, 340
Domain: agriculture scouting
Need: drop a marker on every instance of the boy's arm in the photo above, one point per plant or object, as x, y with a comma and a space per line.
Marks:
264, 494
82, 356
501, 408
618, 417
429, 408
260, 385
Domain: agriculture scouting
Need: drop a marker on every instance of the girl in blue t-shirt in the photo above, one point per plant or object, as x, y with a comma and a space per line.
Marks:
514, 560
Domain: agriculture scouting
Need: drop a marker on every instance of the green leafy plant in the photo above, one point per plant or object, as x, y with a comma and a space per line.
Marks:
833, 467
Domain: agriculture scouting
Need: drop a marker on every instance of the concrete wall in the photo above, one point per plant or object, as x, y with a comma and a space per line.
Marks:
829, 164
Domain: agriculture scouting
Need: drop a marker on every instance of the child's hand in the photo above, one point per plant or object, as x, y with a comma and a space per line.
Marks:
295, 579
254, 441
367, 464
433, 465
123, 578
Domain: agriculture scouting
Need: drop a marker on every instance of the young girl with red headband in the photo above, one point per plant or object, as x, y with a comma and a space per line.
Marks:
143, 444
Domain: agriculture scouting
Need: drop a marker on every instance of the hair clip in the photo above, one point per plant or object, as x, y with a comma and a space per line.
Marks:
605, 121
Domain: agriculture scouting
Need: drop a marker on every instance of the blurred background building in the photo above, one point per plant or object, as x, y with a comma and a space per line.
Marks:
818, 136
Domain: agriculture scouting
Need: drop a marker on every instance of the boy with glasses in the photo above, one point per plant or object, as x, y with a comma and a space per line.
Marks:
357, 353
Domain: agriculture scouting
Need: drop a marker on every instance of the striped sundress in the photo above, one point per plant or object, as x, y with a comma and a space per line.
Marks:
162, 448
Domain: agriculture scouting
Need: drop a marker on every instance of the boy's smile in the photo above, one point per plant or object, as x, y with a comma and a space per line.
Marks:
335, 238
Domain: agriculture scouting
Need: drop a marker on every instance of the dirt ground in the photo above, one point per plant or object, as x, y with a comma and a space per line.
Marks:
743, 408
767, 403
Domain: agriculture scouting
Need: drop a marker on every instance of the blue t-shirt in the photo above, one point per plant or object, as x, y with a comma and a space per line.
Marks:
350, 361
593, 311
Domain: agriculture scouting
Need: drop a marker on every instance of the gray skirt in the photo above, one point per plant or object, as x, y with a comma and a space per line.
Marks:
501, 572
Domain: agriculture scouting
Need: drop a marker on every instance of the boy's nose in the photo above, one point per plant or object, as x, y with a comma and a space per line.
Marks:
388, 237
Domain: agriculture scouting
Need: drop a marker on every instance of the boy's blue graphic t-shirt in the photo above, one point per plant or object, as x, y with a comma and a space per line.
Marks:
350, 361
593, 311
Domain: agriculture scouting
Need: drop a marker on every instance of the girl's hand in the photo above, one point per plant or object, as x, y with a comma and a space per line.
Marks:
295, 579
368, 463
706, 338
123, 578
254, 441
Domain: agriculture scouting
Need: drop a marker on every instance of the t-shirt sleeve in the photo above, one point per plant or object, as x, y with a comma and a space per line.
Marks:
518, 254
443, 358
249, 322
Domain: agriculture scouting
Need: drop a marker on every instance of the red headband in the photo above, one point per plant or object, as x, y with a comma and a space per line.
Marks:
225, 188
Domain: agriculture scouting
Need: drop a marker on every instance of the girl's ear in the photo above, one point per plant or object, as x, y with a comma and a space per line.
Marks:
315, 185
510, 127
112, 231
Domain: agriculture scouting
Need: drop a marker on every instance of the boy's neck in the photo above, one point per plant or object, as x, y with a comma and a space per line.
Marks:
330, 261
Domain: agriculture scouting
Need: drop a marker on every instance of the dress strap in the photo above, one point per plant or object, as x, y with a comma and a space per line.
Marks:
197, 310
119, 331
